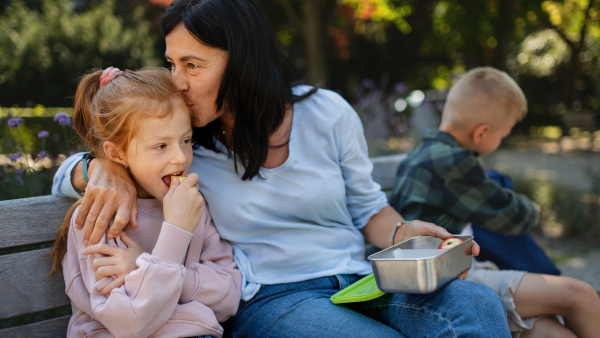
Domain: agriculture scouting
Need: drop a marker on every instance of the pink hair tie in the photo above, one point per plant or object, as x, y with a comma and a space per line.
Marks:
108, 75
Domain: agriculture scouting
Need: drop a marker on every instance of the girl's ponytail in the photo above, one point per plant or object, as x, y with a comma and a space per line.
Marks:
84, 101
60, 245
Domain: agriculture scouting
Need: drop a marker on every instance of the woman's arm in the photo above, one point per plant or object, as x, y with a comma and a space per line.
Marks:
366, 202
107, 195
379, 229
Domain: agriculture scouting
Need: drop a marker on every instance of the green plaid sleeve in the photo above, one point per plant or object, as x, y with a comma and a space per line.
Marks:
446, 185
472, 196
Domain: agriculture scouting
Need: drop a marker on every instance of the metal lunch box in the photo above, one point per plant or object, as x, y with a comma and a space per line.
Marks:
418, 266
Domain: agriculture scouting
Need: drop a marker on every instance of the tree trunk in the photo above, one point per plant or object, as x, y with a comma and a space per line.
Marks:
313, 41
576, 58
503, 30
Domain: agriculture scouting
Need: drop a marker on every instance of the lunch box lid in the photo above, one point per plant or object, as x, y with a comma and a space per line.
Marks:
360, 291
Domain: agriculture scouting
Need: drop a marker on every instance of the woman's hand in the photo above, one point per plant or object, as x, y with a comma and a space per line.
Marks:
183, 205
420, 228
106, 194
117, 262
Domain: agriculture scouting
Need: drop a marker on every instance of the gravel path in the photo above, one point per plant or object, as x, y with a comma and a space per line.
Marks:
571, 169
586, 267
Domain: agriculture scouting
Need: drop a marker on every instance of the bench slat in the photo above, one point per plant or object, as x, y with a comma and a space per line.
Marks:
31, 220
25, 287
56, 327
384, 169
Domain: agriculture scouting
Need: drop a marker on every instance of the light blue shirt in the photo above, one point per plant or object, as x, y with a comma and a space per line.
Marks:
303, 219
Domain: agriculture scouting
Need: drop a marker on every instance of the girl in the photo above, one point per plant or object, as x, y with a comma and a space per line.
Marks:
172, 275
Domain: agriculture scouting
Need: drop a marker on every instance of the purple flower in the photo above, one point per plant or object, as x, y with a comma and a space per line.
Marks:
400, 87
19, 171
43, 154
63, 119
15, 122
43, 134
15, 156
367, 83
19, 180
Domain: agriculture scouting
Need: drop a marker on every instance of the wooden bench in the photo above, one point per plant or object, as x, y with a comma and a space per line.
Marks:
36, 304
584, 121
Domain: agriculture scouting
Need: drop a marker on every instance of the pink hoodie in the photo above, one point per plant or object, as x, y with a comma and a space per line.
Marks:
184, 286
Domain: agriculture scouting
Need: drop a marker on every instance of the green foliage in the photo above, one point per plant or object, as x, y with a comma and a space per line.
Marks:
43, 52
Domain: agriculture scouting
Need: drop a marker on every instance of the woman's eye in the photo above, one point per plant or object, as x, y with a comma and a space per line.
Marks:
161, 146
187, 140
192, 65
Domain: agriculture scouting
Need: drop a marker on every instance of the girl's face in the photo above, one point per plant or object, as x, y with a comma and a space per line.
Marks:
160, 148
197, 72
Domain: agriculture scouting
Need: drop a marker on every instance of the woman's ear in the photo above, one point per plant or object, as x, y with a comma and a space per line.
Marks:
113, 153
479, 133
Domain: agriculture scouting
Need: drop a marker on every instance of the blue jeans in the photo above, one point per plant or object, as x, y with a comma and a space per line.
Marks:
303, 309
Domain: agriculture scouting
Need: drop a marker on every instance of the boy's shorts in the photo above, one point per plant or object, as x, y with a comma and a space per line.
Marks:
505, 283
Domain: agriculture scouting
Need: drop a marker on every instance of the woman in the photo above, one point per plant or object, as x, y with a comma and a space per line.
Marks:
286, 174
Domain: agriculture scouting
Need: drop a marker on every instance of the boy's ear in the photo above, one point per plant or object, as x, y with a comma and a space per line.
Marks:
479, 132
113, 153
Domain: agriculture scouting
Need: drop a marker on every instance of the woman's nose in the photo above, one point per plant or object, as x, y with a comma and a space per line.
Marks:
180, 80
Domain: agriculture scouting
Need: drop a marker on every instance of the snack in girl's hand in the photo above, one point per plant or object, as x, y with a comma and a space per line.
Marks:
450, 243
180, 178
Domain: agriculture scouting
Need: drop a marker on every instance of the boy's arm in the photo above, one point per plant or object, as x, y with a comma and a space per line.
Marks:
472, 196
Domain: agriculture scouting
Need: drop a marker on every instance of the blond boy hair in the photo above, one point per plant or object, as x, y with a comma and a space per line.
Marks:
484, 95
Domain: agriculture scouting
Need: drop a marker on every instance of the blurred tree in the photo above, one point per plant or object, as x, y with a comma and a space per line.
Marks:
42, 52
577, 23
309, 18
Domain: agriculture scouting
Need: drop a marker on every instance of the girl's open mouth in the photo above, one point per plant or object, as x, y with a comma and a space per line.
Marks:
167, 178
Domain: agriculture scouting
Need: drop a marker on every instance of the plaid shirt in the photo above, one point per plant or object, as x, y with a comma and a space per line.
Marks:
443, 183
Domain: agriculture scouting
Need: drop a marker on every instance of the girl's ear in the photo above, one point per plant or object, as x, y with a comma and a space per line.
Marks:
480, 132
113, 153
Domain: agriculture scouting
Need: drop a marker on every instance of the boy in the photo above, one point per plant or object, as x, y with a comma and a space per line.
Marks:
443, 182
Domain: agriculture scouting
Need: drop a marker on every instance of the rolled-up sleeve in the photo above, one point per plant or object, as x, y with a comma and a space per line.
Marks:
364, 196
61, 184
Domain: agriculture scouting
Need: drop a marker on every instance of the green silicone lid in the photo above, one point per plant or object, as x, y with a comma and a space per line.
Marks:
360, 291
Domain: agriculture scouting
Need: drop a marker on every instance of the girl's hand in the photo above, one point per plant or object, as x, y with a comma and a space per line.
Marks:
183, 205
117, 262
420, 228
106, 196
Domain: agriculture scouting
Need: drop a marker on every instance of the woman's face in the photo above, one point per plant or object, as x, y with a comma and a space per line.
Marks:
197, 71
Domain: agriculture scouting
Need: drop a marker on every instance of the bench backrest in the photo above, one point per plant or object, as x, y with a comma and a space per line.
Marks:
27, 225
30, 223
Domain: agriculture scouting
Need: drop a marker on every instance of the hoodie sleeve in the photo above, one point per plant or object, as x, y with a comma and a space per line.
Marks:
213, 281
150, 293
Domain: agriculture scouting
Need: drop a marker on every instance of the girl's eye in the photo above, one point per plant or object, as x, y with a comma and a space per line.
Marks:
161, 146
187, 140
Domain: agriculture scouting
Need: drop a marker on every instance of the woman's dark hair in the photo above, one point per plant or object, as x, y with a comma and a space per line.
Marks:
257, 82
